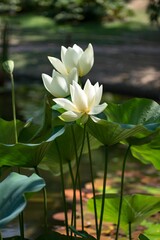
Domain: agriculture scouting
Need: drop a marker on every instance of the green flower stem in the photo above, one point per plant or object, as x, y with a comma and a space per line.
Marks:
103, 192
78, 164
21, 223
121, 192
63, 189
14, 107
81, 205
79, 181
130, 230
45, 207
93, 188
21, 217
73, 217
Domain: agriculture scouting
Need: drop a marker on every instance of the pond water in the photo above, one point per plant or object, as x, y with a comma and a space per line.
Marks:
29, 103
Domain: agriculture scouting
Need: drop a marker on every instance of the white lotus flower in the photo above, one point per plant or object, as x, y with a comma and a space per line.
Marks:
58, 85
74, 57
83, 102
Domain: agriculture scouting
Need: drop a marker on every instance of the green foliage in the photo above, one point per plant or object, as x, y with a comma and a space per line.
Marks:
67, 11
152, 230
116, 10
71, 10
13, 190
8, 6
143, 237
23, 154
134, 122
148, 153
135, 111
90, 11
153, 11
110, 133
7, 135
58, 150
135, 208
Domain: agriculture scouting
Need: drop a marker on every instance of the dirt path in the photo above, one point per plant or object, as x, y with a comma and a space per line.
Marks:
138, 4
132, 70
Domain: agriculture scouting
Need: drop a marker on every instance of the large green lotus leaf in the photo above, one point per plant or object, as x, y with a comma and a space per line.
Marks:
152, 230
25, 155
135, 111
37, 132
110, 133
7, 133
63, 147
143, 137
13, 189
148, 153
135, 208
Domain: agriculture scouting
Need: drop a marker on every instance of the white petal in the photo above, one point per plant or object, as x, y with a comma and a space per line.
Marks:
98, 93
72, 76
58, 65
87, 86
98, 109
56, 85
65, 103
90, 93
70, 59
78, 49
70, 116
47, 81
95, 119
86, 61
78, 97
63, 52
60, 85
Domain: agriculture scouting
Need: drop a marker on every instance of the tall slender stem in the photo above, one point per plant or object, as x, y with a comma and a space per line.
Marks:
121, 192
80, 155
78, 165
14, 107
73, 217
45, 207
63, 189
21, 223
79, 180
81, 204
92, 181
104, 191
130, 230
21, 217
